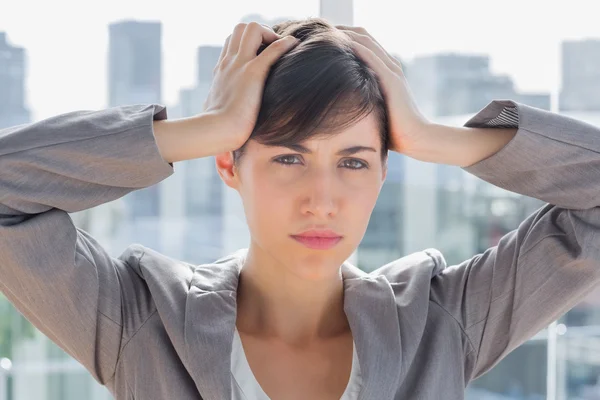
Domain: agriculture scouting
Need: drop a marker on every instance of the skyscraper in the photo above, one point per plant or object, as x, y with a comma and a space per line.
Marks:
207, 57
12, 81
580, 75
135, 63
447, 84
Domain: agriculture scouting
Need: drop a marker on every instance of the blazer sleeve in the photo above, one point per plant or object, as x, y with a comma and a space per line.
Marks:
542, 269
58, 276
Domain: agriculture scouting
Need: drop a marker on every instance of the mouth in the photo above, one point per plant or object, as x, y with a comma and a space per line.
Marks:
317, 242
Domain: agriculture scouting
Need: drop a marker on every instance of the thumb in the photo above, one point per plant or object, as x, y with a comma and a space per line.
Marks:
275, 50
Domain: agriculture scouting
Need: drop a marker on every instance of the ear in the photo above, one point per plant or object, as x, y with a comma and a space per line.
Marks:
227, 170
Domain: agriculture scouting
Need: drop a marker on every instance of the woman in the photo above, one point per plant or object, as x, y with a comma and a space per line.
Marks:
301, 131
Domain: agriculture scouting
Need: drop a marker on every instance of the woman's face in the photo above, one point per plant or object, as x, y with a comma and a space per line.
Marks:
287, 191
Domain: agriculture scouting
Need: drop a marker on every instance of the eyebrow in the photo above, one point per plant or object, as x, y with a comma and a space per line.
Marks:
344, 152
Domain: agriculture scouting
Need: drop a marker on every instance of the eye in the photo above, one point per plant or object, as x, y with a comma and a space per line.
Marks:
354, 163
287, 159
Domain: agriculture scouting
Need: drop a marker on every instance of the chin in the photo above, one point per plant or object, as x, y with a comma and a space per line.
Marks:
317, 264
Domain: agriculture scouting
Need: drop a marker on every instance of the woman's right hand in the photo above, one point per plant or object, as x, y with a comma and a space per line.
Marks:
239, 77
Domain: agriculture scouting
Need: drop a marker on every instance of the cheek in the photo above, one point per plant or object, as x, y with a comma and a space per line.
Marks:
359, 201
266, 203
361, 204
272, 203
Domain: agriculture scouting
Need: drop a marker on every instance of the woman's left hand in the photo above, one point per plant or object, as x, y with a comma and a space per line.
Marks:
407, 124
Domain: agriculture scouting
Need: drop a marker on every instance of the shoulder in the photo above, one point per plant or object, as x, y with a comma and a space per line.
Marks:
149, 263
168, 276
423, 265
153, 280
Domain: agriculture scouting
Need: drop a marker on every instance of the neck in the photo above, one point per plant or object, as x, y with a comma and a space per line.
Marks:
276, 301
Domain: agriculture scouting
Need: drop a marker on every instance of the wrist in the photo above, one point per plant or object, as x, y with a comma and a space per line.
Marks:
416, 142
202, 135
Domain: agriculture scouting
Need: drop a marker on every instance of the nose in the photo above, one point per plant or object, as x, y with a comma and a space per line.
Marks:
320, 196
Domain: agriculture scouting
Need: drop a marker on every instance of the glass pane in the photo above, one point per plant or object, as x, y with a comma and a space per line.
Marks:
457, 56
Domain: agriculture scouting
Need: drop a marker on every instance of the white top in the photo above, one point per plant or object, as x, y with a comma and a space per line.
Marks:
246, 387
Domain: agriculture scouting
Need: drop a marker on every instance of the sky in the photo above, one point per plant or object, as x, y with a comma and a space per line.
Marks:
67, 40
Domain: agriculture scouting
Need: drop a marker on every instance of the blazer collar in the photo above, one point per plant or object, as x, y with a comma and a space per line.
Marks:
210, 317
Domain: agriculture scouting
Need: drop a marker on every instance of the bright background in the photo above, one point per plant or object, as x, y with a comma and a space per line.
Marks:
61, 56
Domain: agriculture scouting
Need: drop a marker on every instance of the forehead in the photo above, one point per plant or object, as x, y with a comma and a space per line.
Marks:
366, 129
364, 132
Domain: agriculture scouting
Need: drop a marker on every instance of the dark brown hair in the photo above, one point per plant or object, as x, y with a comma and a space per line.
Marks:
316, 89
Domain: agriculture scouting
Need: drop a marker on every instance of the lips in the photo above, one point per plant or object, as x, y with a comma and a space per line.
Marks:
324, 233
318, 239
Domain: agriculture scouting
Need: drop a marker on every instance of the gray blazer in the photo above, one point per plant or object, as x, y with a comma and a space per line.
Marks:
151, 327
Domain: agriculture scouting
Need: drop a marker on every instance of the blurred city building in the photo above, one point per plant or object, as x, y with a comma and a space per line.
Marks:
194, 217
13, 107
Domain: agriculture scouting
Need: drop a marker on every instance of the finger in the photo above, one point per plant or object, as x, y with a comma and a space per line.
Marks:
224, 50
378, 50
273, 52
356, 29
236, 37
359, 33
255, 35
268, 27
373, 61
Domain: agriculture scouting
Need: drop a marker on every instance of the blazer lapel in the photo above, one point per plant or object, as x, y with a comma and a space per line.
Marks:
209, 325
372, 313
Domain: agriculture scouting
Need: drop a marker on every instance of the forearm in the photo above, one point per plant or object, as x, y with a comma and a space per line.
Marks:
458, 145
194, 137
78, 160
